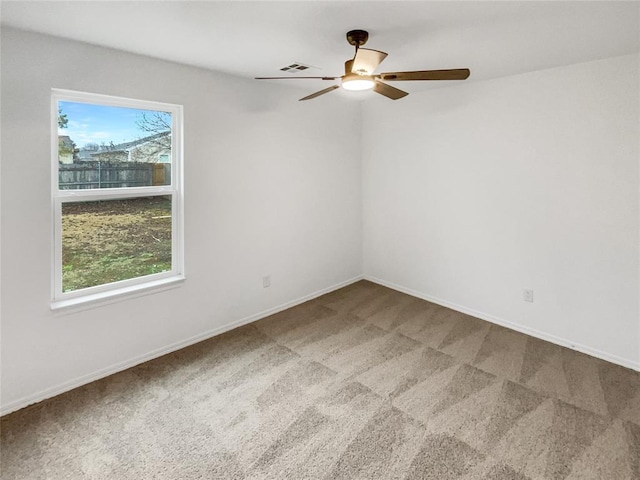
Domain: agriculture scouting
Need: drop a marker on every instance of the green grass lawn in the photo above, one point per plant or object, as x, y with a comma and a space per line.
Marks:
109, 241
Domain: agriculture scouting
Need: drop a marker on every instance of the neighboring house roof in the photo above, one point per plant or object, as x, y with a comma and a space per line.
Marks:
106, 151
140, 141
66, 142
123, 147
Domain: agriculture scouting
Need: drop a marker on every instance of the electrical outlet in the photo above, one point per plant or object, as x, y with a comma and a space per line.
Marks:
527, 295
266, 281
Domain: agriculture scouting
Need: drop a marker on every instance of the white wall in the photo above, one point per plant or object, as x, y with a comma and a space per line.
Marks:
474, 192
272, 186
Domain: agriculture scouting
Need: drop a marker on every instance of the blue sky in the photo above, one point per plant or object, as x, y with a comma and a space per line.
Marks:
100, 123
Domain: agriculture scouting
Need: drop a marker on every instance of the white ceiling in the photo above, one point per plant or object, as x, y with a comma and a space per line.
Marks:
251, 39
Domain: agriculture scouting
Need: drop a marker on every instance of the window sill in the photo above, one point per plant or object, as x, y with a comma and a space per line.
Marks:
96, 300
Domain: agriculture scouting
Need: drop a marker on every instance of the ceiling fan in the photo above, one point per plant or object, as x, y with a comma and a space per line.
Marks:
358, 72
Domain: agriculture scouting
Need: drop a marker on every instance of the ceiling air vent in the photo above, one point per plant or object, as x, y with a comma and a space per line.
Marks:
296, 67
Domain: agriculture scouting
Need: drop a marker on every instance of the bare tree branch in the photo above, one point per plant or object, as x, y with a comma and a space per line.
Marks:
153, 123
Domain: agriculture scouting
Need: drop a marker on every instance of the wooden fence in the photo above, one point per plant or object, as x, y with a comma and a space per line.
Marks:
76, 176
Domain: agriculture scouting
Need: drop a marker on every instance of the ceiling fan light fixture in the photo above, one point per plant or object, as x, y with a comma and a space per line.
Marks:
353, 81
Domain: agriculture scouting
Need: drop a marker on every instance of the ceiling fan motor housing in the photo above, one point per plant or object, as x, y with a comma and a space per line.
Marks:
348, 66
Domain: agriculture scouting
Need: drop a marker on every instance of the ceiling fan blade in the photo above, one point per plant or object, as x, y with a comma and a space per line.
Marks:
388, 91
321, 92
366, 61
455, 74
294, 78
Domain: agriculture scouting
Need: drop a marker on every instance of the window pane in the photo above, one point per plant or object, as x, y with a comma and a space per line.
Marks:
113, 240
102, 146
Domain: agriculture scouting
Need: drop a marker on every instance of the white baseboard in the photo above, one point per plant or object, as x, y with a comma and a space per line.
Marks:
118, 367
513, 326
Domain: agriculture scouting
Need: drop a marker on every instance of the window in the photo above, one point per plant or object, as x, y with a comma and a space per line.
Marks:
116, 196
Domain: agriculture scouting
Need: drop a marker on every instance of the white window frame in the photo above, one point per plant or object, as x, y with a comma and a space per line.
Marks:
133, 286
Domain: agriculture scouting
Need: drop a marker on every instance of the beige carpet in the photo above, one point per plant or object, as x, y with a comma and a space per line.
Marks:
363, 383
